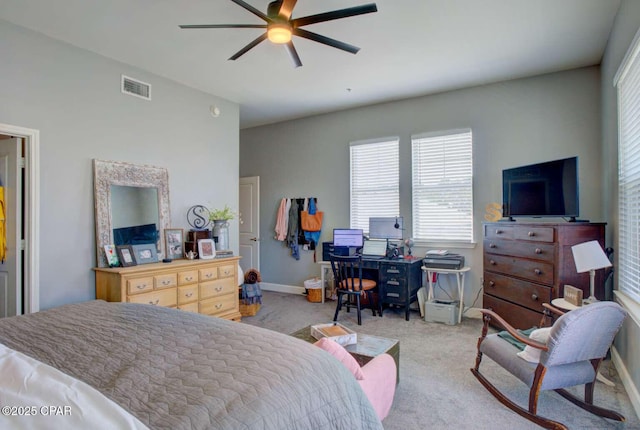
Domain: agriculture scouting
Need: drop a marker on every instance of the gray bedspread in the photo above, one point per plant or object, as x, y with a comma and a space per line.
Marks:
179, 370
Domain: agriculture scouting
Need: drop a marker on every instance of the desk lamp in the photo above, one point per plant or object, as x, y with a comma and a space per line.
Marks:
590, 257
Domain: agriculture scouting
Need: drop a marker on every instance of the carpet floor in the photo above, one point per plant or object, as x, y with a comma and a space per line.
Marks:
436, 388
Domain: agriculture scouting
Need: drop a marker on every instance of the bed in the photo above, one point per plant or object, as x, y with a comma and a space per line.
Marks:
155, 367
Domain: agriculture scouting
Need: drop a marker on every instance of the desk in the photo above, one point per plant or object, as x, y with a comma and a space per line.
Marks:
398, 279
459, 278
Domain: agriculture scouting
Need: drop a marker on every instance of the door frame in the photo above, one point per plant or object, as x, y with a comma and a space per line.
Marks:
31, 298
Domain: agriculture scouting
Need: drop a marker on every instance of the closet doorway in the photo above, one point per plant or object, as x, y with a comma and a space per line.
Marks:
19, 164
249, 219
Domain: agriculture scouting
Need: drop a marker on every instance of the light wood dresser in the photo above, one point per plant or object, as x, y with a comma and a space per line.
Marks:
206, 286
528, 264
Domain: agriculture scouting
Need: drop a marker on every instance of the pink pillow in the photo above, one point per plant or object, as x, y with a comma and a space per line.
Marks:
338, 351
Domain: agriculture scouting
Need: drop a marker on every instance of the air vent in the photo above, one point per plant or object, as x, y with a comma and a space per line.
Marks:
136, 88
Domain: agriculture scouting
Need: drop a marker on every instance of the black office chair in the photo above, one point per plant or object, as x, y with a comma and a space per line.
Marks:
347, 275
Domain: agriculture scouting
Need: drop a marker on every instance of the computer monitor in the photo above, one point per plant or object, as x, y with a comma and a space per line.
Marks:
348, 237
386, 227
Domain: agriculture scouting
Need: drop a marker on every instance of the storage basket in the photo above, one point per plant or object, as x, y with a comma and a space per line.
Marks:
314, 290
249, 310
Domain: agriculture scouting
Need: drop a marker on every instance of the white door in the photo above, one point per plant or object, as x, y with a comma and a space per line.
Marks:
10, 267
249, 212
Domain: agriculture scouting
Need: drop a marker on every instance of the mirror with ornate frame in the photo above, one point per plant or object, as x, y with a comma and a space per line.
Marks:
113, 179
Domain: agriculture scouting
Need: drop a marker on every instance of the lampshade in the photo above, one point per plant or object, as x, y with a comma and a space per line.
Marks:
279, 33
589, 256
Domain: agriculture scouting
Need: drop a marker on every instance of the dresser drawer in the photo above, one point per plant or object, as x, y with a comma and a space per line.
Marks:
165, 281
139, 285
524, 293
394, 292
217, 288
208, 274
226, 271
537, 271
539, 251
537, 234
187, 294
218, 305
393, 270
498, 231
188, 277
516, 315
189, 307
164, 297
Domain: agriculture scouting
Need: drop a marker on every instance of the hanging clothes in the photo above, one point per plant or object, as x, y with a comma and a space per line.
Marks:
281, 221
292, 230
312, 222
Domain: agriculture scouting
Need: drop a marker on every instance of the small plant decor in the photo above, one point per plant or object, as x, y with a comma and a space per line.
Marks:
224, 214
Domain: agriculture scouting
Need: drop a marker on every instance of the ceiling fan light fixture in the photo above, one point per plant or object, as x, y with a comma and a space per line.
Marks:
279, 33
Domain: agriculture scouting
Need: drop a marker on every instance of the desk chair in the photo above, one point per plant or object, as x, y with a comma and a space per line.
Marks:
577, 342
347, 275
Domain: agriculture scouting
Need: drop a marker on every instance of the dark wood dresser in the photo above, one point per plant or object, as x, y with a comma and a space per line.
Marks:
528, 264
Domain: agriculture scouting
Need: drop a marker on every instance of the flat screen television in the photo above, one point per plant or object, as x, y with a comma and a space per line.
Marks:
135, 235
548, 189
386, 227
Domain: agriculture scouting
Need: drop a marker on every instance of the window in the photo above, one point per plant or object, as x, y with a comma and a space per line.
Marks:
442, 186
627, 82
375, 181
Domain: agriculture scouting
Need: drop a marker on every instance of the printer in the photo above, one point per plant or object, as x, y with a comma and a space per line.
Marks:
445, 261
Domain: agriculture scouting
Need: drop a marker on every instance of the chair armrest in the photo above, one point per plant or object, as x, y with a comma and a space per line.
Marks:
553, 309
512, 331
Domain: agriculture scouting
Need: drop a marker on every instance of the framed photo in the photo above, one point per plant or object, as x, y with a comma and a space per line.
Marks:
145, 253
112, 257
206, 249
125, 255
174, 243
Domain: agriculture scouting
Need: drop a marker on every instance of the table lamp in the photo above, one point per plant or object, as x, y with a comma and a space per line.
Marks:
590, 257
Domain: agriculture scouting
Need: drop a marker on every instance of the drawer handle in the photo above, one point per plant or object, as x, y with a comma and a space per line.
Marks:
218, 305
492, 245
208, 275
393, 295
537, 271
534, 297
141, 286
166, 282
498, 231
154, 303
189, 278
531, 234
492, 262
226, 272
538, 251
396, 283
218, 289
492, 284
393, 271
189, 294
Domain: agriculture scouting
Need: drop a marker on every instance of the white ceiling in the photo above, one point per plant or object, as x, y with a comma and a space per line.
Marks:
408, 48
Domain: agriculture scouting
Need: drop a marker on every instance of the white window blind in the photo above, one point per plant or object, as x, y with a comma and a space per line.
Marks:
442, 186
628, 86
375, 181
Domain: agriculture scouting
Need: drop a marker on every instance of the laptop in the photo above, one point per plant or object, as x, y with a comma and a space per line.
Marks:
374, 248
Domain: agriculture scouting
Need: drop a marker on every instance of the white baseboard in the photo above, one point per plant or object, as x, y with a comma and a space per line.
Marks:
281, 288
627, 381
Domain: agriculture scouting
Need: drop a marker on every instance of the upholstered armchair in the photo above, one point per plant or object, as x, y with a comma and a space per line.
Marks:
575, 346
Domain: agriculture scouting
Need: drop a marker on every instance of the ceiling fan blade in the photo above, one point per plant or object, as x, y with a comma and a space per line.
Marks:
325, 40
248, 47
293, 54
286, 9
252, 9
224, 26
336, 14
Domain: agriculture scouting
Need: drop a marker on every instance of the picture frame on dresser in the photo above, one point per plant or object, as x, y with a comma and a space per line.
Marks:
174, 243
206, 249
126, 255
145, 253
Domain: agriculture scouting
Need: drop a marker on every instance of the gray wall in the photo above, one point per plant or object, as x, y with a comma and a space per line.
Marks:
513, 123
626, 25
73, 97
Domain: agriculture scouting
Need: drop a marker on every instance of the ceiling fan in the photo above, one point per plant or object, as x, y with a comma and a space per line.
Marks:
280, 27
